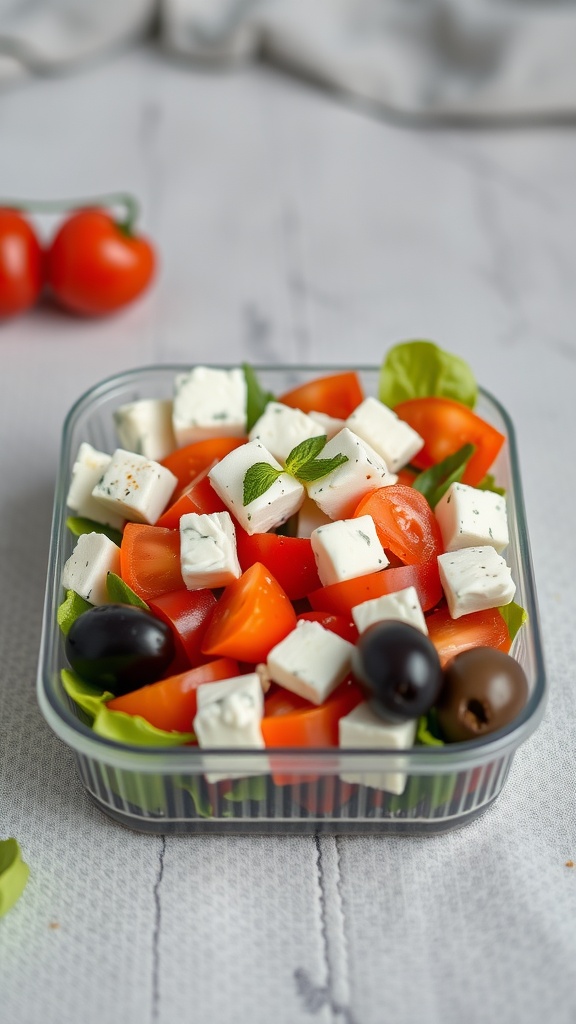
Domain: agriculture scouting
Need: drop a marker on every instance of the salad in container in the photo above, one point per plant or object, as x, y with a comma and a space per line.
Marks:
291, 599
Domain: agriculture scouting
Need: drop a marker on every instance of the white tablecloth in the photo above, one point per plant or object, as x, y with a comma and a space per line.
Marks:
291, 229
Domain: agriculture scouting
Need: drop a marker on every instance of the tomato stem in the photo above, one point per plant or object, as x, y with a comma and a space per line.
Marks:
126, 223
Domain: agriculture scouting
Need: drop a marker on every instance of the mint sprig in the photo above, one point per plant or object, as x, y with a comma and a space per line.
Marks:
258, 479
435, 481
303, 453
301, 463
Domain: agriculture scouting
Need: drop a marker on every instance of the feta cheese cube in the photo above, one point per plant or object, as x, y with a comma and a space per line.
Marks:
339, 492
346, 549
208, 555
311, 661
403, 606
145, 427
87, 470
395, 441
135, 487
330, 424
310, 517
474, 579
229, 714
85, 571
209, 402
275, 506
361, 728
469, 517
281, 428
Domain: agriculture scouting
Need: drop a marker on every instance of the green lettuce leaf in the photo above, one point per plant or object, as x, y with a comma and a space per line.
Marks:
13, 874
193, 786
251, 788
79, 525
256, 397
71, 608
514, 616
89, 698
419, 369
120, 593
488, 483
435, 481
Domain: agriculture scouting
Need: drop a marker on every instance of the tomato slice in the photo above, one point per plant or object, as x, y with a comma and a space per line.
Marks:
340, 598
290, 560
291, 721
253, 615
199, 496
446, 425
342, 625
336, 395
150, 560
478, 629
187, 613
186, 463
405, 523
170, 704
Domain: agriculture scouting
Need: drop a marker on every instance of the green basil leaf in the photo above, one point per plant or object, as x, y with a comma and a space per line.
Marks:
514, 616
258, 479
79, 525
71, 608
120, 593
88, 697
435, 481
318, 468
256, 397
488, 483
13, 874
419, 369
136, 731
304, 452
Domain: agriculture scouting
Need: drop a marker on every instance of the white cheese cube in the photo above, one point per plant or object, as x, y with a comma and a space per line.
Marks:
346, 549
330, 424
362, 728
135, 487
402, 606
145, 427
209, 402
395, 441
229, 714
469, 517
85, 571
310, 517
311, 661
274, 507
475, 578
339, 492
208, 556
281, 428
89, 467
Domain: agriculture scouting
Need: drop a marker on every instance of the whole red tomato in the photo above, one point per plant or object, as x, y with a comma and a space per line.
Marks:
20, 263
95, 266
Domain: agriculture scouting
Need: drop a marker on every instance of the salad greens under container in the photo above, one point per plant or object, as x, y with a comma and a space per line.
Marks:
164, 790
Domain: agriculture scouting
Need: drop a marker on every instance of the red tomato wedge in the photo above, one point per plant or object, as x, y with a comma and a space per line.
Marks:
336, 395
446, 425
187, 613
405, 523
170, 704
479, 629
150, 560
339, 624
291, 721
253, 615
340, 598
290, 560
186, 463
199, 496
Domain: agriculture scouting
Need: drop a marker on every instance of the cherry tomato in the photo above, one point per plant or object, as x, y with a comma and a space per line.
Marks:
290, 560
478, 629
405, 523
340, 598
187, 613
95, 267
21, 264
199, 497
150, 560
337, 395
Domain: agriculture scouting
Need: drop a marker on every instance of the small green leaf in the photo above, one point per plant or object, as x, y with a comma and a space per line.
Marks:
71, 608
256, 397
13, 874
304, 453
435, 481
89, 698
120, 593
258, 479
514, 616
251, 788
420, 369
202, 805
135, 731
317, 468
488, 483
79, 525
428, 733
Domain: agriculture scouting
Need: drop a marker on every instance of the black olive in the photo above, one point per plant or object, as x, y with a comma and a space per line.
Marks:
119, 648
399, 670
484, 689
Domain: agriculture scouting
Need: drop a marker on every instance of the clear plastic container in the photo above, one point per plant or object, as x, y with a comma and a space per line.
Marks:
288, 790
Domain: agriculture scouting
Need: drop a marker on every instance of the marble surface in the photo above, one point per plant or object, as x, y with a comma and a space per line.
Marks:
291, 227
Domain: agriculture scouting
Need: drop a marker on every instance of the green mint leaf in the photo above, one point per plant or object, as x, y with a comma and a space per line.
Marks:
256, 397
435, 481
304, 452
514, 616
420, 369
488, 483
258, 479
13, 874
71, 608
120, 593
79, 525
317, 468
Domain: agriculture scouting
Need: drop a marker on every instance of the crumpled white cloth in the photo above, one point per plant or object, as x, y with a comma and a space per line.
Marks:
471, 59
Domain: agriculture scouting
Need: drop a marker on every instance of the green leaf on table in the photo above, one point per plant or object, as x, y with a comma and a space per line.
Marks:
79, 525
514, 616
13, 874
88, 697
420, 369
71, 608
317, 468
120, 593
304, 452
435, 481
488, 483
135, 731
259, 478
256, 397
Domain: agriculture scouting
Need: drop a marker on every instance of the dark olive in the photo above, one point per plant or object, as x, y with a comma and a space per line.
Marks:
484, 689
399, 670
119, 648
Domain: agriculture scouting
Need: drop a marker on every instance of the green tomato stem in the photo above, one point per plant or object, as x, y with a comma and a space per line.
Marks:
125, 223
